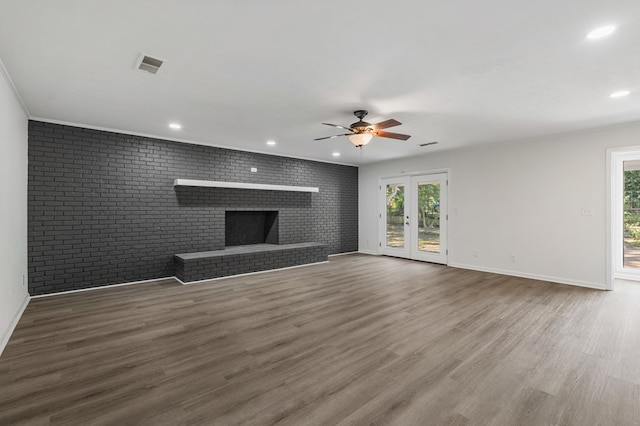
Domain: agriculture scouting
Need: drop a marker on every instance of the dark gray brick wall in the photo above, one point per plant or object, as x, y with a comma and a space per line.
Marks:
103, 209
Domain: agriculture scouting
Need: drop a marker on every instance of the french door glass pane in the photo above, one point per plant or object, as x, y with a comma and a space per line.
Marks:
428, 215
631, 211
395, 215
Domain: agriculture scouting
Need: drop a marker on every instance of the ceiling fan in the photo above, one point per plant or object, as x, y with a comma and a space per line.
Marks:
361, 132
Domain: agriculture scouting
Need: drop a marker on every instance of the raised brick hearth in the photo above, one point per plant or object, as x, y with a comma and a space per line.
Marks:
244, 259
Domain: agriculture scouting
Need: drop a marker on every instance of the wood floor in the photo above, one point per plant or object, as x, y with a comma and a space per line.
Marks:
360, 340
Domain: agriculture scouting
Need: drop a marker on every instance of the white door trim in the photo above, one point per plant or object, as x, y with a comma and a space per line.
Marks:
409, 180
615, 207
425, 172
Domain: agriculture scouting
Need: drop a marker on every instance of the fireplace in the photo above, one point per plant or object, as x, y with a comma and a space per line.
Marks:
252, 244
250, 227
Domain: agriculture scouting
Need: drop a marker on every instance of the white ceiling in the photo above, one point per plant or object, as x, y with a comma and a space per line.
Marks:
238, 73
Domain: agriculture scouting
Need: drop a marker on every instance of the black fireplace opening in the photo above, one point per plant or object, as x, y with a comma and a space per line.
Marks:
250, 227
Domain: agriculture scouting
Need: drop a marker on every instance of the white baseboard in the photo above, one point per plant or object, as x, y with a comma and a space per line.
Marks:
60, 293
558, 280
629, 276
12, 325
247, 274
342, 254
371, 252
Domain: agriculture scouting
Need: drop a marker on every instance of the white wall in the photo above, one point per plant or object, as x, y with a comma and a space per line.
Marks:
521, 199
13, 208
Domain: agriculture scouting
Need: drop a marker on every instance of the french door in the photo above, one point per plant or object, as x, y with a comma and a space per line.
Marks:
625, 213
414, 217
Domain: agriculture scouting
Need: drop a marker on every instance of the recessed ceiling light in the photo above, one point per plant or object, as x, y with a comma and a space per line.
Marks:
601, 32
271, 143
620, 94
175, 126
336, 154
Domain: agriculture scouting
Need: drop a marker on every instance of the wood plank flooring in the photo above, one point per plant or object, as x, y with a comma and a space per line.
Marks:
360, 340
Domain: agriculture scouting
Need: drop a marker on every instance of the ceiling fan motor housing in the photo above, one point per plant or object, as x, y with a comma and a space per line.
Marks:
361, 126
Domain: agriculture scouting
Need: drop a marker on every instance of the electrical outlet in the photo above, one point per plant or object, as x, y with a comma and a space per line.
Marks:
513, 258
586, 211
254, 170
475, 253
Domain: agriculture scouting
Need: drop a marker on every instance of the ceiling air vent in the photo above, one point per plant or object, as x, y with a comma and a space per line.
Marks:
149, 64
429, 143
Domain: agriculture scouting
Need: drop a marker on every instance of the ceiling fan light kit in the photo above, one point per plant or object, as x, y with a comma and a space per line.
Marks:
360, 139
362, 132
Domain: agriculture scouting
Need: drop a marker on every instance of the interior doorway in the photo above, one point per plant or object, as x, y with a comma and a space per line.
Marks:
413, 218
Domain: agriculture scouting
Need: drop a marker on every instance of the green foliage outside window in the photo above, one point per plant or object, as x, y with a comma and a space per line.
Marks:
428, 200
632, 206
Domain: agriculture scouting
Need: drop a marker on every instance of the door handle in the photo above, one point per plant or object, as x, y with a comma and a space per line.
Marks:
406, 223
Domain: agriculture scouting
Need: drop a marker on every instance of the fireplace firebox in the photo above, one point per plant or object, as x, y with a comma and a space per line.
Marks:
250, 227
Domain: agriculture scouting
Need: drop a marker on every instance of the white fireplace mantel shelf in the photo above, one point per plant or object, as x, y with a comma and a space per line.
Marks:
240, 185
